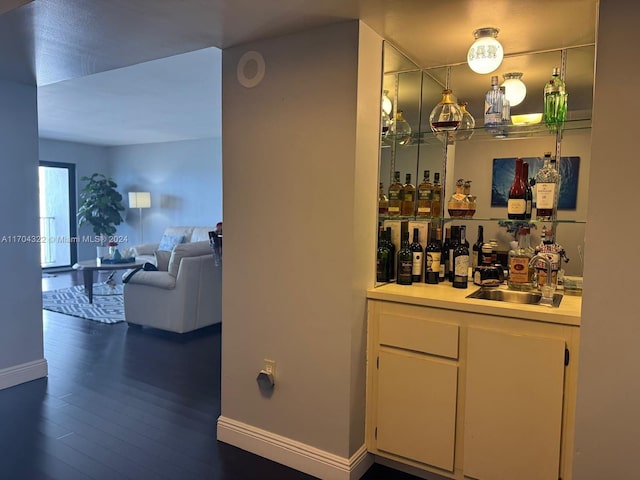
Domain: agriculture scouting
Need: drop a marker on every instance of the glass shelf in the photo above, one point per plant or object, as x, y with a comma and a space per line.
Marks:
480, 133
500, 220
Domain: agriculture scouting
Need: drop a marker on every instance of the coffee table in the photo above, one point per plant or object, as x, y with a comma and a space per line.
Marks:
87, 267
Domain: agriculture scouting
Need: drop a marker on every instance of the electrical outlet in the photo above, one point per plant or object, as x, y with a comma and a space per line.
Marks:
270, 366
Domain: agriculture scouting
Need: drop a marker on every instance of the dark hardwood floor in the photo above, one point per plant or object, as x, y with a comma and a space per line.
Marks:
125, 403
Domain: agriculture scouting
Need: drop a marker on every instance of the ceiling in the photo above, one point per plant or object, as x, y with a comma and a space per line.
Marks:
64, 46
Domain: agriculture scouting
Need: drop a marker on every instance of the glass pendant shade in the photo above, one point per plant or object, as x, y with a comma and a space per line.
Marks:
446, 115
485, 54
515, 89
467, 124
400, 130
387, 106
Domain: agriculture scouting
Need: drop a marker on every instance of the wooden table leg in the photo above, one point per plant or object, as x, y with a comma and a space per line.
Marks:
88, 283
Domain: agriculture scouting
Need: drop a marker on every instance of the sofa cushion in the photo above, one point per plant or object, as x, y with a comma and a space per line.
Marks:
162, 258
180, 230
168, 242
193, 249
201, 234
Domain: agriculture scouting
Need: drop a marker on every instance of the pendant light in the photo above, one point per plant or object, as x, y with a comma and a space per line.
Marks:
515, 88
485, 54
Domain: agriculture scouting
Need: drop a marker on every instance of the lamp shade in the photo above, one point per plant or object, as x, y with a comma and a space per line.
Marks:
485, 54
139, 199
515, 89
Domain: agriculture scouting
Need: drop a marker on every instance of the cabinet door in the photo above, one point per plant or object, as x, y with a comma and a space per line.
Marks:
513, 407
417, 407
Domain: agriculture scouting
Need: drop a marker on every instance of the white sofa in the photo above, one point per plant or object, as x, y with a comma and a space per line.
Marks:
183, 295
146, 252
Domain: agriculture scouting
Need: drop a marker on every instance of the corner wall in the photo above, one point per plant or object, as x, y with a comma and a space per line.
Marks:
607, 428
21, 346
300, 203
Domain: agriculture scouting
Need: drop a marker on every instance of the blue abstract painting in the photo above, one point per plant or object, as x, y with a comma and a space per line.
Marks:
504, 171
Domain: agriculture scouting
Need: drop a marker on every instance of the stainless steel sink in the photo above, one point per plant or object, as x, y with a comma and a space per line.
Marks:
512, 296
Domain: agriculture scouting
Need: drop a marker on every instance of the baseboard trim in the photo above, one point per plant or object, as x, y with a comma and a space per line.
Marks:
292, 453
25, 372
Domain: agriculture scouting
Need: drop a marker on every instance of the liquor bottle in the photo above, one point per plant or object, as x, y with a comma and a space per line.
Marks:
425, 191
467, 124
418, 257
395, 196
444, 257
528, 192
477, 247
434, 253
453, 244
383, 201
471, 200
408, 197
405, 262
547, 186
520, 273
493, 101
554, 252
392, 254
457, 204
461, 261
517, 202
436, 197
555, 101
399, 129
382, 259
506, 107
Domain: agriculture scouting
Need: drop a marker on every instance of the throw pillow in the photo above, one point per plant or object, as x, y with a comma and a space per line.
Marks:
162, 260
168, 242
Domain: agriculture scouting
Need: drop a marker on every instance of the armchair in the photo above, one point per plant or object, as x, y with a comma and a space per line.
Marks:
184, 297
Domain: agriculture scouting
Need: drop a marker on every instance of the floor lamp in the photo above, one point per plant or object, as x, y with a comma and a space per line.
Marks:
140, 200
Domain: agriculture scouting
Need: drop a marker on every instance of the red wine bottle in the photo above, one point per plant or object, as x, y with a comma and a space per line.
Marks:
418, 257
433, 252
392, 254
453, 243
528, 191
517, 202
477, 247
405, 262
461, 261
382, 259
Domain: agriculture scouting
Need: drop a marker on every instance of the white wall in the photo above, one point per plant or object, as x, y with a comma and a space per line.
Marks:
607, 426
300, 212
184, 178
88, 159
21, 319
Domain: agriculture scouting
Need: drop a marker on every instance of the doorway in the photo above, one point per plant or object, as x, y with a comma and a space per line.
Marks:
57, 201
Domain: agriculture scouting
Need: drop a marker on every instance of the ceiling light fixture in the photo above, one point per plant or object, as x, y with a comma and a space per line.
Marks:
485, 54
515, 89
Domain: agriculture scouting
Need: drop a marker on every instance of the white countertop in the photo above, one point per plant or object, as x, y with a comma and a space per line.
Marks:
445, 296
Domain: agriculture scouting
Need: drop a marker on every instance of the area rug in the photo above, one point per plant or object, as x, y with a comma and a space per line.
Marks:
107, 306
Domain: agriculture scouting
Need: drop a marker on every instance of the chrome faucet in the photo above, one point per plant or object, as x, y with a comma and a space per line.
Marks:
549, 288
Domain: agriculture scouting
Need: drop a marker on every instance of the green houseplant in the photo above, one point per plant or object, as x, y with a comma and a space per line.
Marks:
101, 206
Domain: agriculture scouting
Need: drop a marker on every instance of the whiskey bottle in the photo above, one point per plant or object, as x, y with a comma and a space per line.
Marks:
425, 191
547, 186
433, 253
520, 273
461, 261
405, 262
471, 200
457, 204
517, 202
395, 196
408, 197
383, 201
436, 197
555, 101
418, 257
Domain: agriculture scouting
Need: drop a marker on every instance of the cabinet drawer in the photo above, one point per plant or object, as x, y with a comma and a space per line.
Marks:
435, 338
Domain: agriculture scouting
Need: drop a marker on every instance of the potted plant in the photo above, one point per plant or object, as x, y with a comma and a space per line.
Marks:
101, 206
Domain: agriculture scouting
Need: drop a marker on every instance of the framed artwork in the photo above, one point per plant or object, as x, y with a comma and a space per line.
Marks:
504, 170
